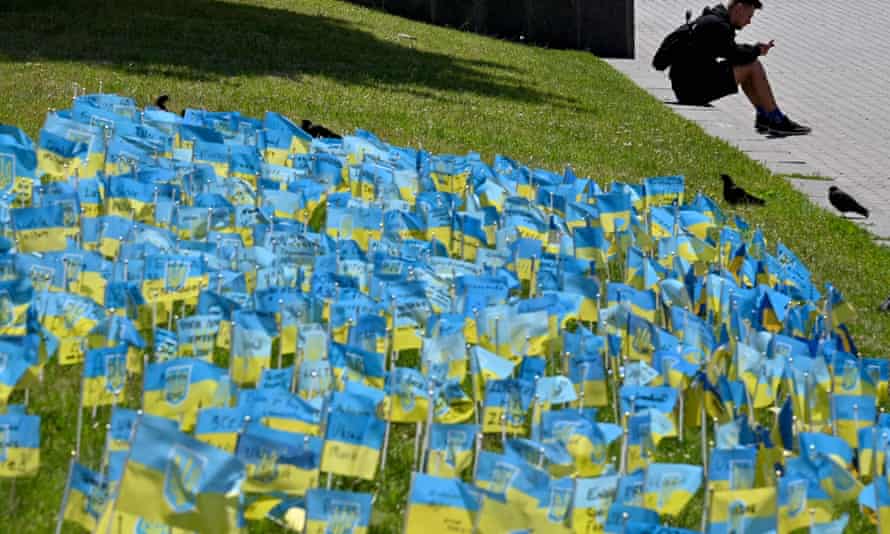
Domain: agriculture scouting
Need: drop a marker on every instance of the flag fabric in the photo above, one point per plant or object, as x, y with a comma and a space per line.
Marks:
353, 437
446, 502
177, 388
669, 487
450, 449
88, 495
179, 481
751, 510
337, 511
19, 443
278, 461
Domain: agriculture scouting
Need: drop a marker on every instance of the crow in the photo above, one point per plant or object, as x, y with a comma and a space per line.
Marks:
317, 130
885, 306
161, 102
844, 202
735, 195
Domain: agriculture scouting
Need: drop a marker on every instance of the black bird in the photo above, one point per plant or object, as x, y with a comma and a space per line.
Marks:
735, 195
317, 130
844, 202
885, 306
161, 102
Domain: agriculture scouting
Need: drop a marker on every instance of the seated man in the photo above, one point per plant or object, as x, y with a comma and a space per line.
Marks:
698, 77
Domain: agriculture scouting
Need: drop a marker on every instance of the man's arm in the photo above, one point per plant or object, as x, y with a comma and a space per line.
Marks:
719, 40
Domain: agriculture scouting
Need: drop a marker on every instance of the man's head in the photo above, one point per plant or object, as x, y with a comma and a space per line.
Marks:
741, 11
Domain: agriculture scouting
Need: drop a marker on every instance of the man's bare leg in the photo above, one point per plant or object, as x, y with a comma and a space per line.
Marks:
752, 78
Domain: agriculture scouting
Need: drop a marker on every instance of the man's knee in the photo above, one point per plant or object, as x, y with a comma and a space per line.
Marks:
745, 72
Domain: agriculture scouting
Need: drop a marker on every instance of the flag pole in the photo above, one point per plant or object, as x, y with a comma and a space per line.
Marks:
429, 425
61, 517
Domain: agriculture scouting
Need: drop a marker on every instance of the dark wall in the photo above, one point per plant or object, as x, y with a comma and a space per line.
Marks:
605, 27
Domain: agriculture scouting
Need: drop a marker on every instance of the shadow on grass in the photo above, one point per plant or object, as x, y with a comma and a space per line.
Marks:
206, 40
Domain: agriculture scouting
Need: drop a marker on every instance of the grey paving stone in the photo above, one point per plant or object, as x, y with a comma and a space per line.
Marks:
829, 70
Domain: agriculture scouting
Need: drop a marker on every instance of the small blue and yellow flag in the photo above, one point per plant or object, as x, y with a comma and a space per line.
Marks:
88, 495
279, 461
670, 487
353, 436
732, 469
220, 427
664, 190
104, 375
19, 443
446, 502
176, 389
252, 335
451, 449
506, 405
751, 510
18, 365
593, 497
337, 511
407, 398
175, 479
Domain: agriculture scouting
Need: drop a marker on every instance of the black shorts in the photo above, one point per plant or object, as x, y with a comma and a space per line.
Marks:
704, 83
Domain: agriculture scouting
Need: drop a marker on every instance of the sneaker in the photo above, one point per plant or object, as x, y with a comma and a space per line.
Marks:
761, 124
787, 126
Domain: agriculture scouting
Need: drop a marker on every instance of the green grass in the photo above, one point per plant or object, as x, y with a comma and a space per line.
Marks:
346, 67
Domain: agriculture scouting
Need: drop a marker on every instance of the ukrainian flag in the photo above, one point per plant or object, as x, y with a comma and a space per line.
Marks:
173, 277
69, 151
43, 229
19, 443
18, 366
362, 225
180, 481
451, 449
104, 376
587, 373
134, 199
664, 190
592, 500
220, 427
853, 413
732, 469
614, 210
18, 164
670, 487
352, 440
796, 504
407, 399
279, 461
506, 405
440, 502
752, 510
585, 440
512, 478
329, 511
873, 444
280, 410
176, 389
355, 364
252, 335
88, 495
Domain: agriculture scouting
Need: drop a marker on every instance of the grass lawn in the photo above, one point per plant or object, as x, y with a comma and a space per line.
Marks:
348, 67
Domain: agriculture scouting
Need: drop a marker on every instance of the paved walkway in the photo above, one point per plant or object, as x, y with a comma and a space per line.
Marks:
829, 70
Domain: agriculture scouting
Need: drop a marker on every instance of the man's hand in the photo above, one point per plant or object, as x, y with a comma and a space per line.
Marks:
765, 47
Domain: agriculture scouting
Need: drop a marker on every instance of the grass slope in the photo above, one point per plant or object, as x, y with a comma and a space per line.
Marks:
347, 67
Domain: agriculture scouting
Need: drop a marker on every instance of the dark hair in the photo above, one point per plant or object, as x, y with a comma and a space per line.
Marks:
756, 3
